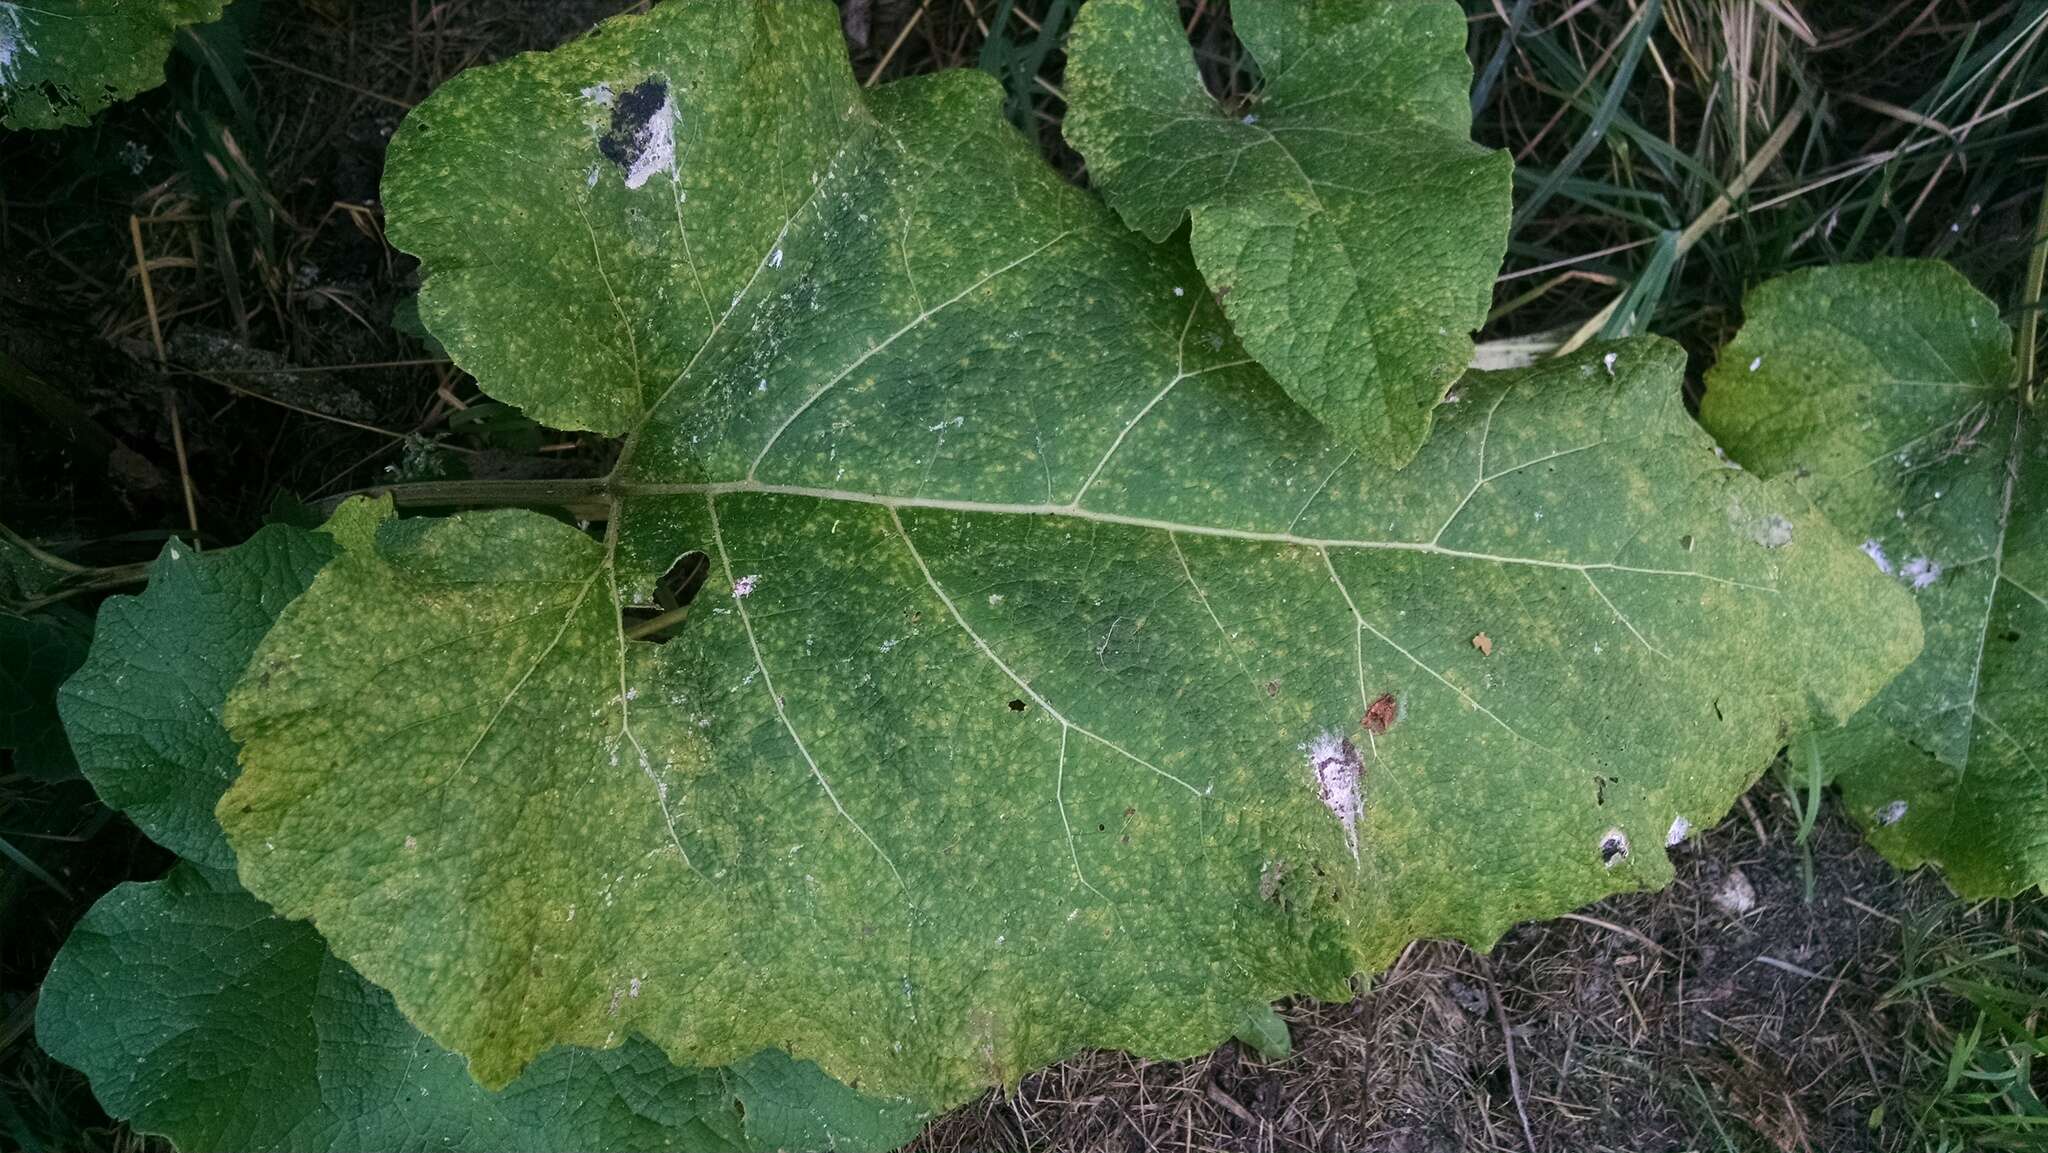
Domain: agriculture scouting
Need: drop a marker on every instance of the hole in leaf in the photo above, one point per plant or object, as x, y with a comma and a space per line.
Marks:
1613, 847
672, 596
633, 123
1016, 704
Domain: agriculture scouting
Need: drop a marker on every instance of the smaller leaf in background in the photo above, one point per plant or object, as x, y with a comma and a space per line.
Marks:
201, 1016
62, 61
287, 509
405, 318
1343, 216
36, 654
499, 426
1886, 391
144, 710
26, 572
1265, 1033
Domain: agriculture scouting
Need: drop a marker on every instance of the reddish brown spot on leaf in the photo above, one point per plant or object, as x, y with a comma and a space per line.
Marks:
1484, 644
1381, 714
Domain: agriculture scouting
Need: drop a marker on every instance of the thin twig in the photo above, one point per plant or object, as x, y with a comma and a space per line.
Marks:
1507, 1040
252, 394
184, 467
156, 330
296, 369
1611, 927
336, 81
901, 36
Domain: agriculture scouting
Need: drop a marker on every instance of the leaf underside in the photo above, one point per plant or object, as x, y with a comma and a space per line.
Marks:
199, 1015
1888, 392
1342, 214
63, 61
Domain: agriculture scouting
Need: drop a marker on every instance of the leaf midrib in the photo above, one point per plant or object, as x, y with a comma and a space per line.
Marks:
1098, 516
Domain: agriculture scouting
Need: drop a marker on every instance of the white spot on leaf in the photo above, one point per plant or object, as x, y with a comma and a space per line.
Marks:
744, 587
1679, 828
1873, 549
1891, 814
1338, 775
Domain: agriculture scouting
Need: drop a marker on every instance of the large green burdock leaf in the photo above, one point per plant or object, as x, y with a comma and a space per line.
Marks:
1343, 216
144, 710
1887, 391
63, 61
1022, 709
201, 1016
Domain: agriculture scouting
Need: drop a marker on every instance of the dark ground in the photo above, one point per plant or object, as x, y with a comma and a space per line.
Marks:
1648, 1022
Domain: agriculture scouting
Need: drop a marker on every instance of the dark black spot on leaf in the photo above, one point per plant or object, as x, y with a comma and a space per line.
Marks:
633, 126
1016, 704
1613, 847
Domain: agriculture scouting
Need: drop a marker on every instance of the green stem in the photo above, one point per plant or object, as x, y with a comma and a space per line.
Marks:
653, 625
49, 559
581, 495
2030, 301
